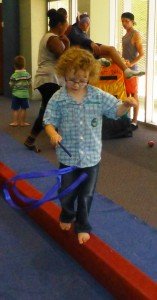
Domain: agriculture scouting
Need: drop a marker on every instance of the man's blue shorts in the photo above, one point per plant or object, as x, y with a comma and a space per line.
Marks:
18, 103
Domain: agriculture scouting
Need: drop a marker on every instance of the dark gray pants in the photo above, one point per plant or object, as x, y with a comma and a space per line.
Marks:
46, 90
76, 205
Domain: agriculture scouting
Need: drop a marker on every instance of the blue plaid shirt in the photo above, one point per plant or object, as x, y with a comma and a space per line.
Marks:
80, 125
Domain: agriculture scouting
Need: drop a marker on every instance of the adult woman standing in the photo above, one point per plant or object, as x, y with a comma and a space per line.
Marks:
132, 52
51, 47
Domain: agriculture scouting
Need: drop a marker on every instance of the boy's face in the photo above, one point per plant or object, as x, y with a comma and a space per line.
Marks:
76, 81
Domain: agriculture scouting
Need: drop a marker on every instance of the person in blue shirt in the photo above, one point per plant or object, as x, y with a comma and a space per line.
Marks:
78, 36
74, 116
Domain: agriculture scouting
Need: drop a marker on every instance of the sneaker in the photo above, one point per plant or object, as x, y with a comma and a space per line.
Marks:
134, 126
131, 73
105, 62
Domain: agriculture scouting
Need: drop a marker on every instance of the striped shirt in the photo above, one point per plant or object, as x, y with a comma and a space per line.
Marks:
20, 82
80, 124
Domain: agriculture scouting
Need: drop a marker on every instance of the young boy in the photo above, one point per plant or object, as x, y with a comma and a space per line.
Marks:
76, 112
20, 81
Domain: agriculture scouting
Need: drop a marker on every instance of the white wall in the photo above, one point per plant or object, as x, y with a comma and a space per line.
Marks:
25, 32
100, 26
33, 24
38, 28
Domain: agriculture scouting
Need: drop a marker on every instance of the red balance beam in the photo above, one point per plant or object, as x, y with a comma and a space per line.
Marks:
113, 271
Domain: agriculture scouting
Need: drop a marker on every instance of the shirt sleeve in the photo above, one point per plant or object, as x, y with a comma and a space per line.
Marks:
52, 113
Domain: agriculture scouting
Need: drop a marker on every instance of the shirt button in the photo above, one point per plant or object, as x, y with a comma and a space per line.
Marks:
81, 122
81, 138
81, 152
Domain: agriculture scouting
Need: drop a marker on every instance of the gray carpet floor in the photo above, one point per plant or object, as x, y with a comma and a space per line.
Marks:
128, 169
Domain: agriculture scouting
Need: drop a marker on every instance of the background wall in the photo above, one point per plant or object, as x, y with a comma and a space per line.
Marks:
25, 22
33, 25
99, 12
100, 15
11, 43
84, 6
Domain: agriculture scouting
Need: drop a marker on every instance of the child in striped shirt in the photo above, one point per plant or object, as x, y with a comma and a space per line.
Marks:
20, 81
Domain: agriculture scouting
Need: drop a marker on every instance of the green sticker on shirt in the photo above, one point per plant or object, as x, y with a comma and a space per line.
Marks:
94, 122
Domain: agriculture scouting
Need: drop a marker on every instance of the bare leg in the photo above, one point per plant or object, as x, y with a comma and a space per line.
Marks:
111, 52
15, 118
136, 109
23, 118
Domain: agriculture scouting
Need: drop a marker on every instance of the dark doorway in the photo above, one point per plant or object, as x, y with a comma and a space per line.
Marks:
1, 51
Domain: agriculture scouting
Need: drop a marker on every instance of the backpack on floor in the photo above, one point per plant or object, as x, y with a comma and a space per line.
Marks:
112, 129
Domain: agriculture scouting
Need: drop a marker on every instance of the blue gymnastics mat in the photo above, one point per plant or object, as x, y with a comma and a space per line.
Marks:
34, 267
124, 232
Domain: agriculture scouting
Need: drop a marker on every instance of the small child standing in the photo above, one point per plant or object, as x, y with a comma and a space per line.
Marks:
20, 81
76, 112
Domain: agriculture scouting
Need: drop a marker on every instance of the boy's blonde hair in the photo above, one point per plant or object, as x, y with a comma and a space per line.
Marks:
19, 62
76, 59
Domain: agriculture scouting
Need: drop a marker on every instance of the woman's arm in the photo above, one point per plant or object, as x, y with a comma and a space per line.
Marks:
56, 45
65, 41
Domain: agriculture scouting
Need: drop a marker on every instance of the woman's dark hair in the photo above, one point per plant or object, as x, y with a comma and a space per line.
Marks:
55, 17
62, 11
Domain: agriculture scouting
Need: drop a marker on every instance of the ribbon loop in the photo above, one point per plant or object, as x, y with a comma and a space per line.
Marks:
49, 196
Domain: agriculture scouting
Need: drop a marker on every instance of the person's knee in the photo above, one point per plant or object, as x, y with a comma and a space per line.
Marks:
112, 49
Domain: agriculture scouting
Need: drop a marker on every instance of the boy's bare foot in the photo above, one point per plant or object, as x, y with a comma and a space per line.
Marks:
83, 237
14, 124
65, 226
25, 124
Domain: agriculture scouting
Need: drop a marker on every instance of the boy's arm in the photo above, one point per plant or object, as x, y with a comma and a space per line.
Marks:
52, 134
125, 106
11, 83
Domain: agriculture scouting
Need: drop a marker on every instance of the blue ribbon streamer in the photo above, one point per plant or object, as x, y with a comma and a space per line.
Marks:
34, 203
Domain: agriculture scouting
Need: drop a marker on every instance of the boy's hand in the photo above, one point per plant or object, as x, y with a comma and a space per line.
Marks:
55, 138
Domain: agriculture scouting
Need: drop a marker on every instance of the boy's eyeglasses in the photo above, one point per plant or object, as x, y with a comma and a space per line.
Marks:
73, 82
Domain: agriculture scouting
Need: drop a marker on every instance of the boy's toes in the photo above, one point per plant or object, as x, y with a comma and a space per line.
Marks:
83, 237
65, 226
